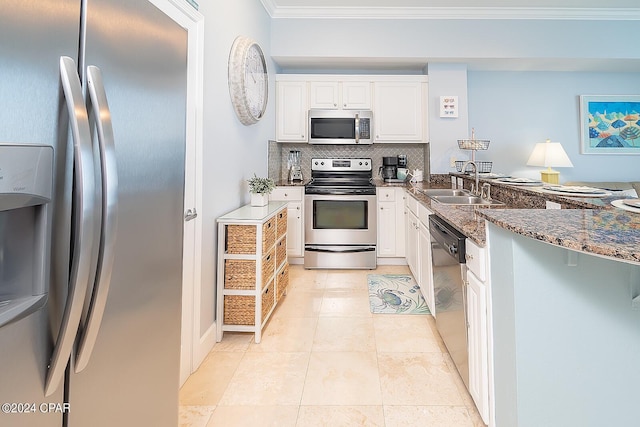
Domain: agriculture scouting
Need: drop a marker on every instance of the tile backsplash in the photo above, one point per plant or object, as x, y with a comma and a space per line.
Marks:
279, 151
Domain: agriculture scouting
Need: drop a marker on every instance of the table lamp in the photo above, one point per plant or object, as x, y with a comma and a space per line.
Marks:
549, 154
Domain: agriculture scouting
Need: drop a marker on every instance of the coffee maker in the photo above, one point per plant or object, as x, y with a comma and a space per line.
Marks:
389, 168
293, 163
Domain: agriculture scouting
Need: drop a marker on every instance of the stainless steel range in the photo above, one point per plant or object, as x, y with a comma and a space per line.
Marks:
340, 215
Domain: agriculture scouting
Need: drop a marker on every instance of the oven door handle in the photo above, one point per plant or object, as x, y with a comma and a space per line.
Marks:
342, 251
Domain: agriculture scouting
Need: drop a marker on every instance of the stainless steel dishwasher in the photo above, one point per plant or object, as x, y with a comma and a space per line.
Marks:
449, 277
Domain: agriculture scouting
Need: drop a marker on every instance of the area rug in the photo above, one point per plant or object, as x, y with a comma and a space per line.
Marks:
395, 294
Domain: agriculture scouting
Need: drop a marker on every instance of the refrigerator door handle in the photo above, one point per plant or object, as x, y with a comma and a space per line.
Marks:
99, 108
84, 213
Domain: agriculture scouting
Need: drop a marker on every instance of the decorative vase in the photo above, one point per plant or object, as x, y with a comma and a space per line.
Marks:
259, 199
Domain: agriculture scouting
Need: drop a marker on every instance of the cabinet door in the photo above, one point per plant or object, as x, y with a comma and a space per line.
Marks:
478, 343
294, 230
324, 95
400, 224
386, 229
291, 111
356, 95
399, 115
412, 245
426, 278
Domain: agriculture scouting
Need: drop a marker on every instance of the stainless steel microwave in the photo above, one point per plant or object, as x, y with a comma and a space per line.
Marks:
340, 127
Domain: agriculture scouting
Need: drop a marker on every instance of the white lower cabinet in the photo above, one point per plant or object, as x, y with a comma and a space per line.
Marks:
413, 231
295, 226
424, 250
391, 223
477, 328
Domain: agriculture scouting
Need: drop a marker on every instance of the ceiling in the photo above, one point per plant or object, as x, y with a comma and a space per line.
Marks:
607, 10
460, 9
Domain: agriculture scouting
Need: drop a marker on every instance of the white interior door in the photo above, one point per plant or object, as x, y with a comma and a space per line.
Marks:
193, 345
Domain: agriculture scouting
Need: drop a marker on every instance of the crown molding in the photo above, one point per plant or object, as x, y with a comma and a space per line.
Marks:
585, 14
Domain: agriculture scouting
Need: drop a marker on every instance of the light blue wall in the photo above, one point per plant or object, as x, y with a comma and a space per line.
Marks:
515, 110
566, 338
232, 152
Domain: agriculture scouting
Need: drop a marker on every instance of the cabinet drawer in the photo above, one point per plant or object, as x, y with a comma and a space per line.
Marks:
281, 222
241, 309
476, 260
386, 194
286, 194
281, 251
282, 281
240, 274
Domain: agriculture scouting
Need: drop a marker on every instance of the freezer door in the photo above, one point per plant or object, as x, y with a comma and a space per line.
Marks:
132, 375
35, 35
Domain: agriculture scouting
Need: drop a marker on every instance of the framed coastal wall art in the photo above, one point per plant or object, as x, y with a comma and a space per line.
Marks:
610, 124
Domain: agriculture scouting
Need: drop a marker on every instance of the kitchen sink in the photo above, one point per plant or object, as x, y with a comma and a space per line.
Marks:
467, 199
444, 192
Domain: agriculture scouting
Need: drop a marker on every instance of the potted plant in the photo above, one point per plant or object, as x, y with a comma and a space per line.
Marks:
260, 188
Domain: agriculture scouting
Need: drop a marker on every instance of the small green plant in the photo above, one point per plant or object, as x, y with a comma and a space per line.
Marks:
261, 185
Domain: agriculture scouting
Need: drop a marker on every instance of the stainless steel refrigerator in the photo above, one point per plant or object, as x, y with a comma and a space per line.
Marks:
91, 267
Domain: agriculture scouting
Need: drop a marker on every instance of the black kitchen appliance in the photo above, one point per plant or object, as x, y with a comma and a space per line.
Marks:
389, 168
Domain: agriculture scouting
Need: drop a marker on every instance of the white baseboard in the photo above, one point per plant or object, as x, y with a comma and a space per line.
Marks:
204, 346
392, 261
296, 260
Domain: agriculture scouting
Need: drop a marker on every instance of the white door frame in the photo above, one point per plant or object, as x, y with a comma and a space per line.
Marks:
195, 344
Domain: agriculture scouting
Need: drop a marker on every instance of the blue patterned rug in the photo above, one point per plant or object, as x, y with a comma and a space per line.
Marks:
395, 294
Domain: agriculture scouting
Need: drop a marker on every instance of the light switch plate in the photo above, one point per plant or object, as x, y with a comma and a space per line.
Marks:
449, 106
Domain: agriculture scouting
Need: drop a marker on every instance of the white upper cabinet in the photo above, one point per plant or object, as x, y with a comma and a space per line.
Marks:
399, 104
356, 95
348, 95
291, 111
400, 111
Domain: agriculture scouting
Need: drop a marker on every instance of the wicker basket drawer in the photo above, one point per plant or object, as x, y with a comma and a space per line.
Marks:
281, 251
240, 274
241, 309
241, 239
268, 300
268, 234
281, 220
282, 281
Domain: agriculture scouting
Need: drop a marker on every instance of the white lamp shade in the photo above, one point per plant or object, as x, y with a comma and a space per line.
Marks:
549, 154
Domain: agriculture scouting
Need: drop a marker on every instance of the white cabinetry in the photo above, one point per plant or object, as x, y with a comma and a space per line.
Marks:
400, 111
295, 227
477, 328
412, 237
424, 251
347, 95
291, 111
391, 223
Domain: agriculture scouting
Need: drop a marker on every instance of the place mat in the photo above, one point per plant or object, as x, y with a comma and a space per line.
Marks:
575, 191
491, 175
634, 203
620, 203
395, 294
520, 181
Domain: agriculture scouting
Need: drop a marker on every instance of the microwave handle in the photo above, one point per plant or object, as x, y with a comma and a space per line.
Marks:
357, 128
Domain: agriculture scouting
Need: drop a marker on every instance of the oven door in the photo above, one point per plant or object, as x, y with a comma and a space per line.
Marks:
340, 231
340, 219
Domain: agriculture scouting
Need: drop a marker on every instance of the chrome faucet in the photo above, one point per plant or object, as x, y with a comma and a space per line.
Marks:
475, 190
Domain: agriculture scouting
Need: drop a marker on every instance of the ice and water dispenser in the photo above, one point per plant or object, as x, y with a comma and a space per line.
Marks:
26, 185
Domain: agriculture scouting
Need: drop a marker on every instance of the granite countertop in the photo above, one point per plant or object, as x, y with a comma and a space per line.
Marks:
589, 225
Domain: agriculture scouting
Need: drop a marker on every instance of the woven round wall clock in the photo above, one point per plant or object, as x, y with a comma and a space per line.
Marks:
248, 80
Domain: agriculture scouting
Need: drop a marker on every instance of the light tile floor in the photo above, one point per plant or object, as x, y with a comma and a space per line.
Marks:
325, 360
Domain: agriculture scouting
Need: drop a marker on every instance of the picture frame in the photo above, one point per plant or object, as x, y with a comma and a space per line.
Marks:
610, 124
